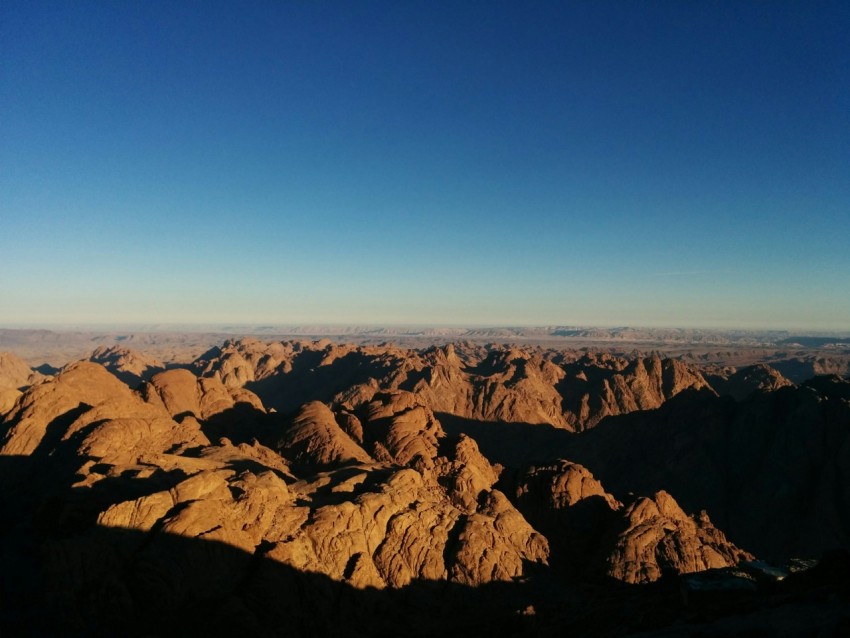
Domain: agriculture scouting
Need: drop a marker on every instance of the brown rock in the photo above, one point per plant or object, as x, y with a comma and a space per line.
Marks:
604, 387
314, 438
261, 509
246, 455
560, 486
732, 458
182, 393
8, 398
409, 530
57, 402
242, 361
739, 384
493, 544
511, 385
402, 428
351, 425
130, 366
571, 508
659, 536
15, 374
120, 432
466, 474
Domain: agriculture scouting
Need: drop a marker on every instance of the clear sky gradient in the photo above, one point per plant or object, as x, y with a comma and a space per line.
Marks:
614, 163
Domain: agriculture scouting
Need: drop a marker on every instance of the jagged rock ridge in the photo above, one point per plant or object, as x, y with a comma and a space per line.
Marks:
177, 488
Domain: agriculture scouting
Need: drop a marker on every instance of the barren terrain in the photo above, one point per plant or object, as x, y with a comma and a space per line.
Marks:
509, 481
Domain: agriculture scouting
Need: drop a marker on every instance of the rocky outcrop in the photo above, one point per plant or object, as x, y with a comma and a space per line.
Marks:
95, 413
592, 533
246, 455
181, 393
121, 433
15, 374
514, 385
802, 368
510, 386
572, 509
559, 487
204, 506
369, 526
238, 362
465, 473
8, 398
400, 429
290, 373
594, 389
56, 403
315, 440
410, 531
742, 382
130, 366
234, 413
443, 382
660, 538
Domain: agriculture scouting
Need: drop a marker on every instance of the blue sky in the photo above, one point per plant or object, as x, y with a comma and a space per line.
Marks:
613, 163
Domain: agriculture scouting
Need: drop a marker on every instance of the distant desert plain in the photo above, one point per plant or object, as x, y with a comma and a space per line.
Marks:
321, 481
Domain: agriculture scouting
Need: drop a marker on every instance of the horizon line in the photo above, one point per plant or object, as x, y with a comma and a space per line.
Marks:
366, 326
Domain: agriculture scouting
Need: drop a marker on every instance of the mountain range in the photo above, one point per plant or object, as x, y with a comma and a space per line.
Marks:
311, 487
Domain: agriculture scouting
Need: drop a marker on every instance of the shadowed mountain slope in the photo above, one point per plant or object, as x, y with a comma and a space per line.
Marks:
185, 504
771, 470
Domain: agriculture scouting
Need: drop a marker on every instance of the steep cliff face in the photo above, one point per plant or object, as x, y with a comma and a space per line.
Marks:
595, 388
508, 385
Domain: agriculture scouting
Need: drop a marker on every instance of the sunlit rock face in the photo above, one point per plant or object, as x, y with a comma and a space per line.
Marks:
314, 438
445, 479
659, 537
15, 373
127, 364
500, 384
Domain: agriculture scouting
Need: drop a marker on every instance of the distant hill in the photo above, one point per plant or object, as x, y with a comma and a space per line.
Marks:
815, 342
